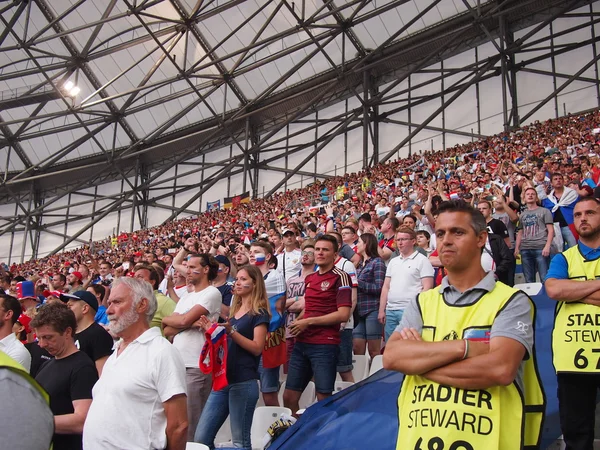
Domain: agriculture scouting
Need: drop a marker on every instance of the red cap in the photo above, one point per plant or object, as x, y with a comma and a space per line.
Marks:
48, 293
78, 275
137, 254
25, 320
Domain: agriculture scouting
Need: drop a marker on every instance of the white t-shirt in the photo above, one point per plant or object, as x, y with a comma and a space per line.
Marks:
347, 266
190, 342
290, 262
127, 410
17, 351
382, 210
405, 279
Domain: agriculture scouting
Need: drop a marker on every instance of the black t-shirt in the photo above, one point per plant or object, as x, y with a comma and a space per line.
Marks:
65, 380
39, 356
496, 226
558, 217
94, 341
241, 364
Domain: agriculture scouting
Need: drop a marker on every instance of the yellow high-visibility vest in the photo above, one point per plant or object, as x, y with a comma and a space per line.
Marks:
576, 334
498, 418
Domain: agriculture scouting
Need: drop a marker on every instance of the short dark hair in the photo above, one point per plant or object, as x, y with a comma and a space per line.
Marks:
311, 227
56, 315
394, 222
410, 216
347, 227
337, 236
424, 233
99, 290
266, 246
478, 222
61, 277
556, 174
154, 275
10, 303
366, 217
210, 262
329, 238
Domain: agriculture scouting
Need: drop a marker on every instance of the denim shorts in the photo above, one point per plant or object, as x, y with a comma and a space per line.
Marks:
269, 378
368, 327
308, 360
344, 362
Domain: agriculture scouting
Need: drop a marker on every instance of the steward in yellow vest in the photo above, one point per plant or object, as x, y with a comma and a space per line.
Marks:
24, 400
466, 348
574, 281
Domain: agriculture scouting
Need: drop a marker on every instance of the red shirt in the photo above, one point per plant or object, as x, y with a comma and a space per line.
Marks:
389, 243
323, 294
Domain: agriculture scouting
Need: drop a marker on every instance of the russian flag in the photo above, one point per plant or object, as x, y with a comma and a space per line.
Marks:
260, 258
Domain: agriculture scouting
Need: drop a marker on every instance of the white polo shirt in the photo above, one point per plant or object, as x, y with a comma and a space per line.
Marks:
406, 276
127, 409
17, 351
190, 342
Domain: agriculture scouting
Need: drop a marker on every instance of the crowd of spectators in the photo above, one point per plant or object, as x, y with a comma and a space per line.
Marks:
337, 262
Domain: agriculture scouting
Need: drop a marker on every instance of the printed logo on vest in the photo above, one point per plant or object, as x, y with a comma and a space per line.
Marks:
452, 336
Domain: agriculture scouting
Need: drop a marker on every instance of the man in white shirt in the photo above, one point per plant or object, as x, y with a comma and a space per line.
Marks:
140, 401
288, 261
405, 277
10, 310
203, 300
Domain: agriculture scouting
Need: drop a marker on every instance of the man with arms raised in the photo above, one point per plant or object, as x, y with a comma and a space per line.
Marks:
466, 350
573, 280
204, 300
140, 402
328, 302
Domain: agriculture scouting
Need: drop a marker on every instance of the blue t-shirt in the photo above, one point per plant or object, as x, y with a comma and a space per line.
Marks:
225, 291
101, 317
559, 269
241, 364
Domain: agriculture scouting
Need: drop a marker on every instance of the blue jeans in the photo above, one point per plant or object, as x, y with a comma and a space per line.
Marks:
568, 238
368, 327
392, 320
344, 362
533, 262
312, 360
237, 400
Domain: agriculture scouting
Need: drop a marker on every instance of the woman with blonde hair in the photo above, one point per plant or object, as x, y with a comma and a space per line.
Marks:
249, 317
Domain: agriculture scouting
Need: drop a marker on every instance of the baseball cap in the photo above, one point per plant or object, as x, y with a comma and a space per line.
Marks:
84, 296
78, 275
25, 321
287, 230
48, 293
223, 260
25, 289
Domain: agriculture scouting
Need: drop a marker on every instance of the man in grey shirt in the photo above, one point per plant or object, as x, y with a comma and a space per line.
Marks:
534, 237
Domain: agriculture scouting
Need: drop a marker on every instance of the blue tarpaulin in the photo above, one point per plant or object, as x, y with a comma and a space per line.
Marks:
365, 416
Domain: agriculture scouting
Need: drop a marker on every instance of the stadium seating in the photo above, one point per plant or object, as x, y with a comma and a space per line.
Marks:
264, 416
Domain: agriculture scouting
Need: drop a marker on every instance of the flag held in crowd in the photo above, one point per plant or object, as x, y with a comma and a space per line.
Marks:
234, 202
211, 206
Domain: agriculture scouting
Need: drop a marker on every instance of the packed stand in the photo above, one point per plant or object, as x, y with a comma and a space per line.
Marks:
292, 287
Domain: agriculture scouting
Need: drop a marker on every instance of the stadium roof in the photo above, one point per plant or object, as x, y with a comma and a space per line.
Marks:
161, 82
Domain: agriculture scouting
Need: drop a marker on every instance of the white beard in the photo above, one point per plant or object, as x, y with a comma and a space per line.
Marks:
116, 326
